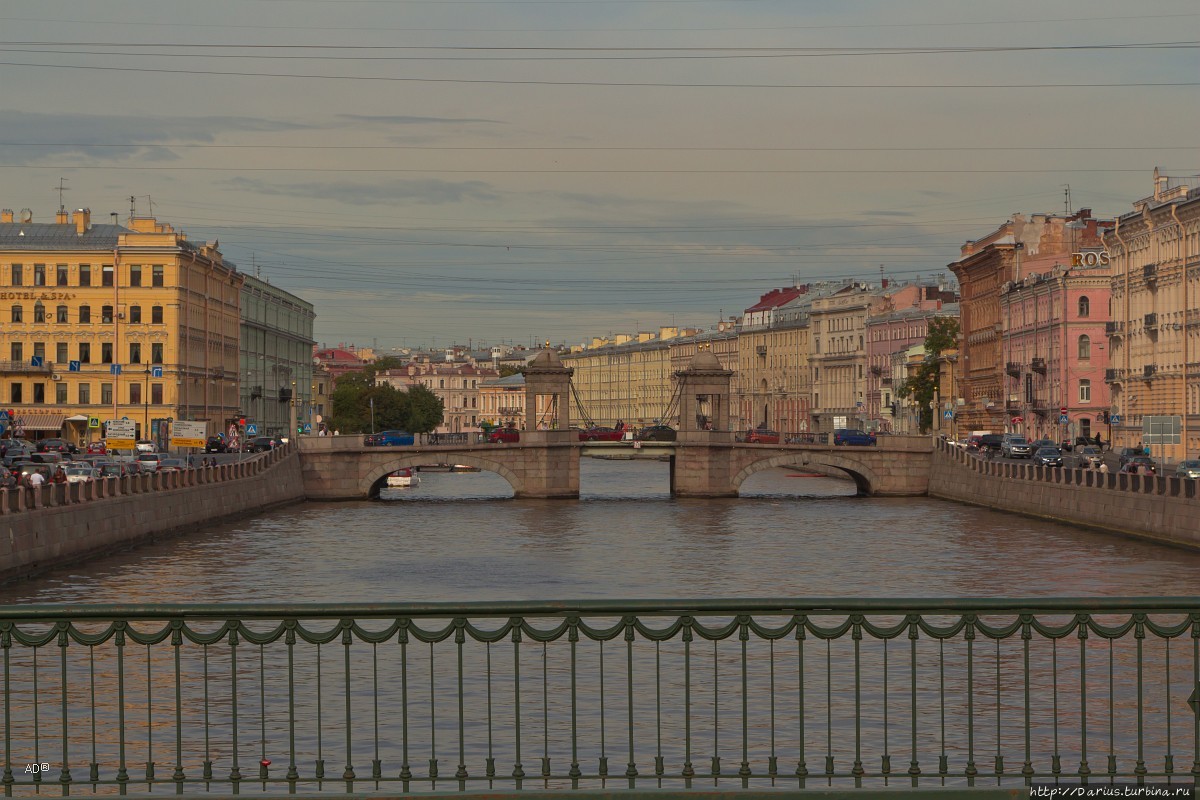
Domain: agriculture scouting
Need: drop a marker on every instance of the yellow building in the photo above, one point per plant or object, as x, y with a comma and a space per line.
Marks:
105, 321
1154, 338
626, 380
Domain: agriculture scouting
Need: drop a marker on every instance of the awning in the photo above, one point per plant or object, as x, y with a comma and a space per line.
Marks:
78, 418
37, 422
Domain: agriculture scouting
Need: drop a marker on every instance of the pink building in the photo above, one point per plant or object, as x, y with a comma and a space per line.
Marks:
1055, 351
895, 332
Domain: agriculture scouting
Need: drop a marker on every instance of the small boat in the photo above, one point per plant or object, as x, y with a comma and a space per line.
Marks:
464, 468
403, 477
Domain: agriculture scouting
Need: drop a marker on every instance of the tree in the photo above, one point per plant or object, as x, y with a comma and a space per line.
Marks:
924, 384
509, 369
417, 410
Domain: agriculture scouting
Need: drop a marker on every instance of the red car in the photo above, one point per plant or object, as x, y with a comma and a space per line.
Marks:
504, 435
97, 449
598, 433
762, 436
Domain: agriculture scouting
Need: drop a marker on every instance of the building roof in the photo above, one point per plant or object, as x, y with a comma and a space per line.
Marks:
775, 298
58, 236
516, 380
947, 310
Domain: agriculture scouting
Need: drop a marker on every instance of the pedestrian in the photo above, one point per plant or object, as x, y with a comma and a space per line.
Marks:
36, 479
60, 475
1103, 467
337, 433
7, 480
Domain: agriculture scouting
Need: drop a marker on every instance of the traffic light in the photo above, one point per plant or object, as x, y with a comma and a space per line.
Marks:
242, 422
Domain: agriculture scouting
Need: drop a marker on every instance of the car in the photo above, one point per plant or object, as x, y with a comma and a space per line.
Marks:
113, 470
215, 444
145, 446
1188, 469
599, 433
81, 474
1015, 446
1048, 457
48, 457
24, 469
261, 444
1040, 443
172, 465
149, 462
56, 446
990, 441
1127, 453
97, 448
852, 437
762, 436
656, 433
1089, 456
1138, 464
504, 436
385, 439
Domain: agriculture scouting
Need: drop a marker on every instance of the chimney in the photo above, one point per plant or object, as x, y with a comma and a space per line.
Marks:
83, 221
6, 215
61, 217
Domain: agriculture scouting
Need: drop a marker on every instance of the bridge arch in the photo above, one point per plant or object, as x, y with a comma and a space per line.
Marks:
371, 483
865, 478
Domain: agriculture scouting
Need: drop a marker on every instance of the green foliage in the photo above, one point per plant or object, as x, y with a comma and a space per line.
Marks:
508, 369
923, 385
417, 410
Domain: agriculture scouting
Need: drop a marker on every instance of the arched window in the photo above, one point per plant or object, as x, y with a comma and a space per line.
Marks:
1085, 306
1085, 347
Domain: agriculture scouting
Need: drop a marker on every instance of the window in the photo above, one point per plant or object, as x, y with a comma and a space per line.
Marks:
1085, 307
85, 274
39, 350
85, 394
14, 393
85, 314
60, 393
1085, 347
156, 394
18, 275
135, 393
135, 275
39, 274
39, 393
85, 353
1085, 391
39, 312
60, 314
17, 351
157, 274
106, 394
106, 350
135, 353
106, 314
61, 275
60, 353
156, 316
106, 278
18, 314
156, 353
135, 314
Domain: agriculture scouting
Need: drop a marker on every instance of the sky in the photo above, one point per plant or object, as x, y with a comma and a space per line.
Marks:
429, 172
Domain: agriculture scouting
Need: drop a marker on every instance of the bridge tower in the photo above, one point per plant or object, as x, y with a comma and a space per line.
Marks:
701, 464
552, 471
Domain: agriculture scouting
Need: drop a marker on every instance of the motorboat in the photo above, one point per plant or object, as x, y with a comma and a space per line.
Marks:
403, 477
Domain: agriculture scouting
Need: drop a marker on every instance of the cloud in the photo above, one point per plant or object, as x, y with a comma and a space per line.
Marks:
379, 119
421, 192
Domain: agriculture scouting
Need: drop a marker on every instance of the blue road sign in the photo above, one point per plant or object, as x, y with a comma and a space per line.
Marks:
37, 361
251, 429
948, 414
307, 427
3, 416
74, 366
1115, 419
1062, 419
115, 369
156, 372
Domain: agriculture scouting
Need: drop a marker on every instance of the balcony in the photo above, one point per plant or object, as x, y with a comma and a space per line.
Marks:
761, 350
1112, 375
1012, 405
1038, 365
1013, 369
1150, 273
1149, 371
1113, 328
24, 368
886, 381
1151, 321
876, 370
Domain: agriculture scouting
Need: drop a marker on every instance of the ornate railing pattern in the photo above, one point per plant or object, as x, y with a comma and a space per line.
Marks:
797, 693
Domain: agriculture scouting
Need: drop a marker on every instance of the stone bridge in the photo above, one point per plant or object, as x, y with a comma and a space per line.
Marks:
545, 464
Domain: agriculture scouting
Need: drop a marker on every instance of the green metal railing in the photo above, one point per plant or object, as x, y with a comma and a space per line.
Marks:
744, 694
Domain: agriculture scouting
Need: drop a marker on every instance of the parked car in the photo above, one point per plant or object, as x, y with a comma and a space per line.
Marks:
389, 439
97, 448
852, 437
762, 436
261, 444
216, 444
599, 433
1048, 457
1089, 456
149, 462
1015, 446
1127, 453
504, 436
656, 433
1188, 469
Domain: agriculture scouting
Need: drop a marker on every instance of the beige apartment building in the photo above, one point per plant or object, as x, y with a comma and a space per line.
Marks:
103, 321
1154, 337
773, 353
455, 384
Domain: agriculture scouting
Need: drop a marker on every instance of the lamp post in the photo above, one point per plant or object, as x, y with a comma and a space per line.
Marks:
146, 399
292, 413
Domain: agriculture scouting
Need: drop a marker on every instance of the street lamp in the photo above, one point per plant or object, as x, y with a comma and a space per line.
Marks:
146, 398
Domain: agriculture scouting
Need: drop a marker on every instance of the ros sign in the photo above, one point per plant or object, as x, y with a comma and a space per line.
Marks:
1090, 259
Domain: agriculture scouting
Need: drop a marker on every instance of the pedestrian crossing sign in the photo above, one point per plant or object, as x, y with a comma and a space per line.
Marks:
948, 414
